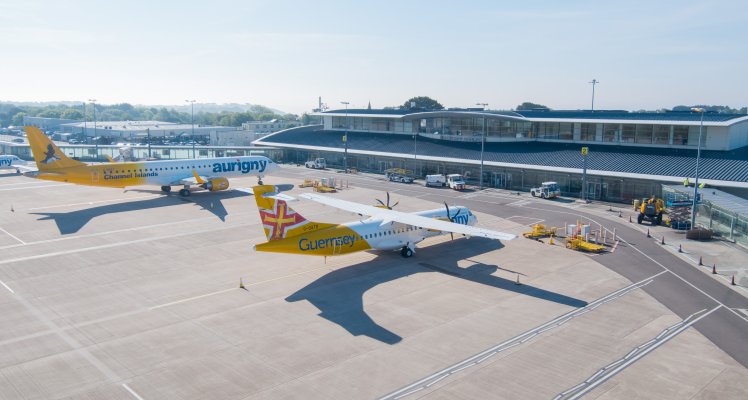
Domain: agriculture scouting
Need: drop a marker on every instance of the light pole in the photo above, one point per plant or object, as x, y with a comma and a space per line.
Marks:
345, 138
148, 137
96, 139
85, 126
593, 82
482, 143
192, 122
698, 155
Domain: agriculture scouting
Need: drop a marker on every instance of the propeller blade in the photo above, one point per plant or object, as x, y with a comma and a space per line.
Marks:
388, 201
393, 206
452, 235
449, 217
380, 202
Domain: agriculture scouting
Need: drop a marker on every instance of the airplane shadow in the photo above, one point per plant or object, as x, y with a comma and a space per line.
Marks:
339, 294
72, 222
9, 173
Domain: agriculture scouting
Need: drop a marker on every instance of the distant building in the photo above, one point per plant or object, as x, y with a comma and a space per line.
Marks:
47, 124
231, 138
137, 129
262, 128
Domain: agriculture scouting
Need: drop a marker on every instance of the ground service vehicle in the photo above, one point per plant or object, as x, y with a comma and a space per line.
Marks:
436, 180
651, 209
318, 163
456, 182
547, 190
399, 175
401, 178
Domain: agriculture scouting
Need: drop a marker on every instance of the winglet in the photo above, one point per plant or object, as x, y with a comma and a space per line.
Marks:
198, 179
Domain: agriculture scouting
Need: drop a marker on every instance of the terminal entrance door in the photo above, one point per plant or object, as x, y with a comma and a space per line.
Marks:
502, 180
597, 191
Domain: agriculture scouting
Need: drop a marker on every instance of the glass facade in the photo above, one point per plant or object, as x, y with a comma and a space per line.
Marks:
598, 187
725, 223
471, 129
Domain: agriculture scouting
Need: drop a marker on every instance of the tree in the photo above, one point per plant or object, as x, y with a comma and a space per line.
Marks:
49, 114
17, 119
423, 102
71, 113
530, 106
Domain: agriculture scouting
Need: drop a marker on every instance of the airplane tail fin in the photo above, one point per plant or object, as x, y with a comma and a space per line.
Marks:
46, 154
278, 219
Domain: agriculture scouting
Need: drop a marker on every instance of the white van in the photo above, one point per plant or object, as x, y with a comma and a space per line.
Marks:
436, 180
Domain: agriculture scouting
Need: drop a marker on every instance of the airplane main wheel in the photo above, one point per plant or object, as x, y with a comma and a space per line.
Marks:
260, 182
166, 189
184, 192
406, 252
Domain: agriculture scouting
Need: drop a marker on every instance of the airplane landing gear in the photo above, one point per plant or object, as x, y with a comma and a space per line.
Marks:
259, 181
406, 252
166, 189
184, 192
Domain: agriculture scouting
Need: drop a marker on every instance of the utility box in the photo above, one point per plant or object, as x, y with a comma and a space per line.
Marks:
577, 230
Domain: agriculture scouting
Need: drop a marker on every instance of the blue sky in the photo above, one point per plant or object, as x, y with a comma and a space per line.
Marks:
283, 54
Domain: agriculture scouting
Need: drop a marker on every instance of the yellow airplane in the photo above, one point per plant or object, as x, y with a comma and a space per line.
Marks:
384, 229
208, 173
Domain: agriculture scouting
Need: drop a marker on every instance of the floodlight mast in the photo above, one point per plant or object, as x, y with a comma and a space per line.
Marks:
482, 143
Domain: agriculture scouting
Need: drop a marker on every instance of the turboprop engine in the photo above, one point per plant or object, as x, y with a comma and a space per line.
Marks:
216, 184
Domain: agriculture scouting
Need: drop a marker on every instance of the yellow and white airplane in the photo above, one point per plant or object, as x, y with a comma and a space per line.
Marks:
10, 161
208, 173
384, 229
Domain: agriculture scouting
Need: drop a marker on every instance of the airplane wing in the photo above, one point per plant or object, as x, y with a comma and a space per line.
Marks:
408, 219
194, 180
277, 196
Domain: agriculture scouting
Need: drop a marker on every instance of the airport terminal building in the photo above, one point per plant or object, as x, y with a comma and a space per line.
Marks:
630, 154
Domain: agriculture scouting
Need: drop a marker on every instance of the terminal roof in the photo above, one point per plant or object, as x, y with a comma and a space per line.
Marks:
726, 166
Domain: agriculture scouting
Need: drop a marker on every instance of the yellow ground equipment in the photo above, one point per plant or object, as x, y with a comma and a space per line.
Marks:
307, 183
324, 189
325, 185
540, 231
651, 209
578, 243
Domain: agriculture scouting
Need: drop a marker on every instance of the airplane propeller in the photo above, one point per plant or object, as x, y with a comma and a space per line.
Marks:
451, 218
387, 205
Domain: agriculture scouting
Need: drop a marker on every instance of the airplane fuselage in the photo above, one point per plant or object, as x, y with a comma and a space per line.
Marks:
161, 173
10, 161
364, 235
